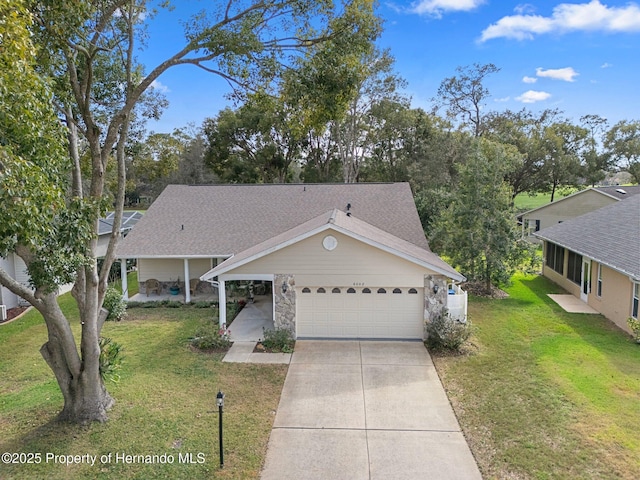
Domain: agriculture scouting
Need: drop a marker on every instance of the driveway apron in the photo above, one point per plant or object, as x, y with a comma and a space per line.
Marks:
365, 410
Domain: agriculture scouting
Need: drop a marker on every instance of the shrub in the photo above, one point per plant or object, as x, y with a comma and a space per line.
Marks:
279, 340
115, 304
233, 309
443, 332
210, 337
166, 303
203, 304
634, 325
110, 359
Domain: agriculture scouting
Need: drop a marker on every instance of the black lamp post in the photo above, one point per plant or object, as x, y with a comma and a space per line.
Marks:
220, 402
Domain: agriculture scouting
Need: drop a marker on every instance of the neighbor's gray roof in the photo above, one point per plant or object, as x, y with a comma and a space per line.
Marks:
609, 235
129, 219
349, 225
620, 192
210, 220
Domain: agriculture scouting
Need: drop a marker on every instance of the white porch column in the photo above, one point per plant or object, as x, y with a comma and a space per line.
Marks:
123, 276
187, 291
222, 303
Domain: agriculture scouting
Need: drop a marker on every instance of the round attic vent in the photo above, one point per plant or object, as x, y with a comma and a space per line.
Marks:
329, 242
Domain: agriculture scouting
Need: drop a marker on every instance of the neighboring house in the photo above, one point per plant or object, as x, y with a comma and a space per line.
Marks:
344, 260
572, 206
18, 270
596, 257
105, 226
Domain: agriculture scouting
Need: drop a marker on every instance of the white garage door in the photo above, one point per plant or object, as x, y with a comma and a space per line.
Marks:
339, 312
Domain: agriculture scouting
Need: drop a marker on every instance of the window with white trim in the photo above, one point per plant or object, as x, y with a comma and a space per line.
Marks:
599, 285
636, 300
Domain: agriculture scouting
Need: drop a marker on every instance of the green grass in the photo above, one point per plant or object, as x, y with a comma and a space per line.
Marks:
132, 284
546, 394
165, 402
525, 202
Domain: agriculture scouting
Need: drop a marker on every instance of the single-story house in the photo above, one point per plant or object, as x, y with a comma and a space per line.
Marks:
15, 266
596, 257
573, 206
343, 260
105, 226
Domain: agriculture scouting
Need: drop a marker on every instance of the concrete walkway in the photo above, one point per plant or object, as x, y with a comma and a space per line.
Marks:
365, 411
248, 325
247, 329
571, 303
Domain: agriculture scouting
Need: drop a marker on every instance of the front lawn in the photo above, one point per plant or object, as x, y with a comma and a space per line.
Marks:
165, 403
546, 394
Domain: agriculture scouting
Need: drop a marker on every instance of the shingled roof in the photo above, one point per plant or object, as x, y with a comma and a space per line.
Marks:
222, 220
609, 235
620, 192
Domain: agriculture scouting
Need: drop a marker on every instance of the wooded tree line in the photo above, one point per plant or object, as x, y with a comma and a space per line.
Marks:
379, 137
465, 164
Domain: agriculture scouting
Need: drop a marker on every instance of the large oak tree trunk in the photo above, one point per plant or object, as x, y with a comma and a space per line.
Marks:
85, 397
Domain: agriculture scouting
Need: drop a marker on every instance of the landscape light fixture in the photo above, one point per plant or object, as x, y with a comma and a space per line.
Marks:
220, 403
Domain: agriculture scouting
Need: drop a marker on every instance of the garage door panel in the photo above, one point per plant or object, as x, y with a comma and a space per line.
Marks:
359, 315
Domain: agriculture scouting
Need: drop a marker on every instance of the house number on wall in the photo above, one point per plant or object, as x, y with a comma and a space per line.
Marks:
358, 284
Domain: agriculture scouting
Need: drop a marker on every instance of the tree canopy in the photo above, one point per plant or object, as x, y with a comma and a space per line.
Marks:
76, 61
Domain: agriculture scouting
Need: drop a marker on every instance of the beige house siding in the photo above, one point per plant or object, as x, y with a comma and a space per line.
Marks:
617, 291
351, 263
568, 207
165, 269
8, 298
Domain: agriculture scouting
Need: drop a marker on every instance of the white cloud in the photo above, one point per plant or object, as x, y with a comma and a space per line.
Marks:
526, 79
606, 65
156, 85
533, 96
524, 8
567, 17
567, 74
437, 7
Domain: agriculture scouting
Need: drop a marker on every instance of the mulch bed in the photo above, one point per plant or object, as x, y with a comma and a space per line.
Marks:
14, 312
480, 290
260, 348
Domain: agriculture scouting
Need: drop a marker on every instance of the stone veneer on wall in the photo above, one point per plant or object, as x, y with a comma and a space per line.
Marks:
434, 303
285, 303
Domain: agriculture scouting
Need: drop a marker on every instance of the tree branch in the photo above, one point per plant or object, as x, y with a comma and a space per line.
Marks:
17, 288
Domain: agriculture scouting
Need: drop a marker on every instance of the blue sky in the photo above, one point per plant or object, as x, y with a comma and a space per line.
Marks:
582, 57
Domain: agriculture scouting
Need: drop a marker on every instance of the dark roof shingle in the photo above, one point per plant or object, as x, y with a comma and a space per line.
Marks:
609, 235
226, 219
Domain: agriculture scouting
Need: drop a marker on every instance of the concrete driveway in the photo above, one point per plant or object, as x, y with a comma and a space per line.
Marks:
365, 410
